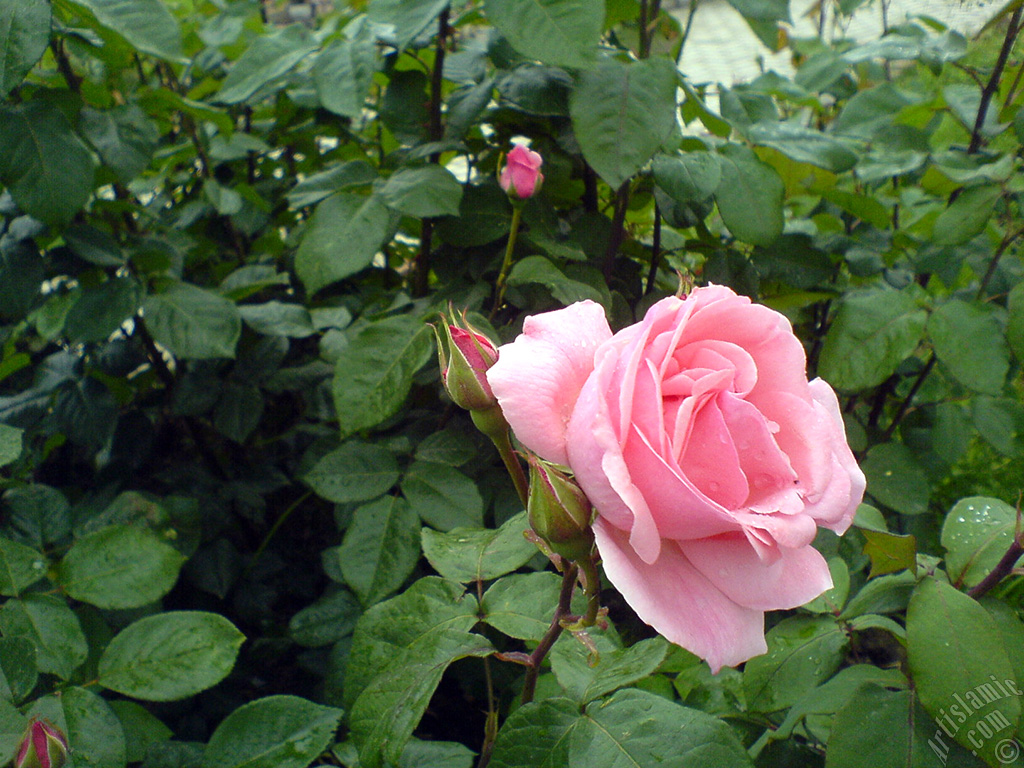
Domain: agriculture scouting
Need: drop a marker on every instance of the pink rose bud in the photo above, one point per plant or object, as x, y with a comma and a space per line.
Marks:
560, 512
521, 177
465, 355
43, 746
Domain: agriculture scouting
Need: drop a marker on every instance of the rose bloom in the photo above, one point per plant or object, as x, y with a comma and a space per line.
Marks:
709, 457
521, 174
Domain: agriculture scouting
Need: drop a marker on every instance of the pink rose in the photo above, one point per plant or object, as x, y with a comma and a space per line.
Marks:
710, 458
521, 176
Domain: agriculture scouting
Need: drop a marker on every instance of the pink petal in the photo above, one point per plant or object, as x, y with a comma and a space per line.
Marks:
845, 490
772, 481
539, 375
596, 458
710, 461
680, 603
731, 564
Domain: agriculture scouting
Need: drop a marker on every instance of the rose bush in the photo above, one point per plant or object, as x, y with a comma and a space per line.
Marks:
709, 457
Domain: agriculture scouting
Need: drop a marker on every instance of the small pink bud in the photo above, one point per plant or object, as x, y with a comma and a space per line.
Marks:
43, 746
560, 513
465, 355
521, 177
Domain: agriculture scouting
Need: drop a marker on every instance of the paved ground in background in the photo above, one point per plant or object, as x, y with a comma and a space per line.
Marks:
722, 49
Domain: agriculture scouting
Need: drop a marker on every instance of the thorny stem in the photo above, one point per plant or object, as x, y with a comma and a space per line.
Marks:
1005, 565
506, 264
618, 230
986, 97
421, 266
511, 462
686, 31
652, 273
64, 66
554, 631
993, 82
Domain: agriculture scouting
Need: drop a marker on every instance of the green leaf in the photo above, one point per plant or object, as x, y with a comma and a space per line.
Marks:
537, 734
428, 608
119, 567
124, 137
436, 754
1000, 420
873, 727
356, 471
170, 655
833, 600
18, 670
101, 310
423, 192
484, 216
143, 727
94, 733
615, 668
146, 24
43, 163
380, 549
48, 623
20, 567
896, 479
272, 732
690, 177
521, 605
373, 374
763, 17
345, 233
326, 621
313, 189
873, 332
343, 74
884, 594
408, 17
622, 113
967, 216
830, 696
391, 706
631, 729
449, 446
890, 552
24, 35
976, 534
10, 444
39, 513
275, 318
955, 652
540, 270
563, 33
1015, 323
803, 651
442, 496
749, 196
969, 342
475, 554
193, 323
804, 145
267, 58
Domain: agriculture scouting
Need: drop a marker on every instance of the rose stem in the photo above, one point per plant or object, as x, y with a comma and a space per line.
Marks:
517, 215
554, 630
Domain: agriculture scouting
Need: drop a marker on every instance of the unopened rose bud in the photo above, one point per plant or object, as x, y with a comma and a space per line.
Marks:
521, 177
559, 511
43, 746
465, 355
